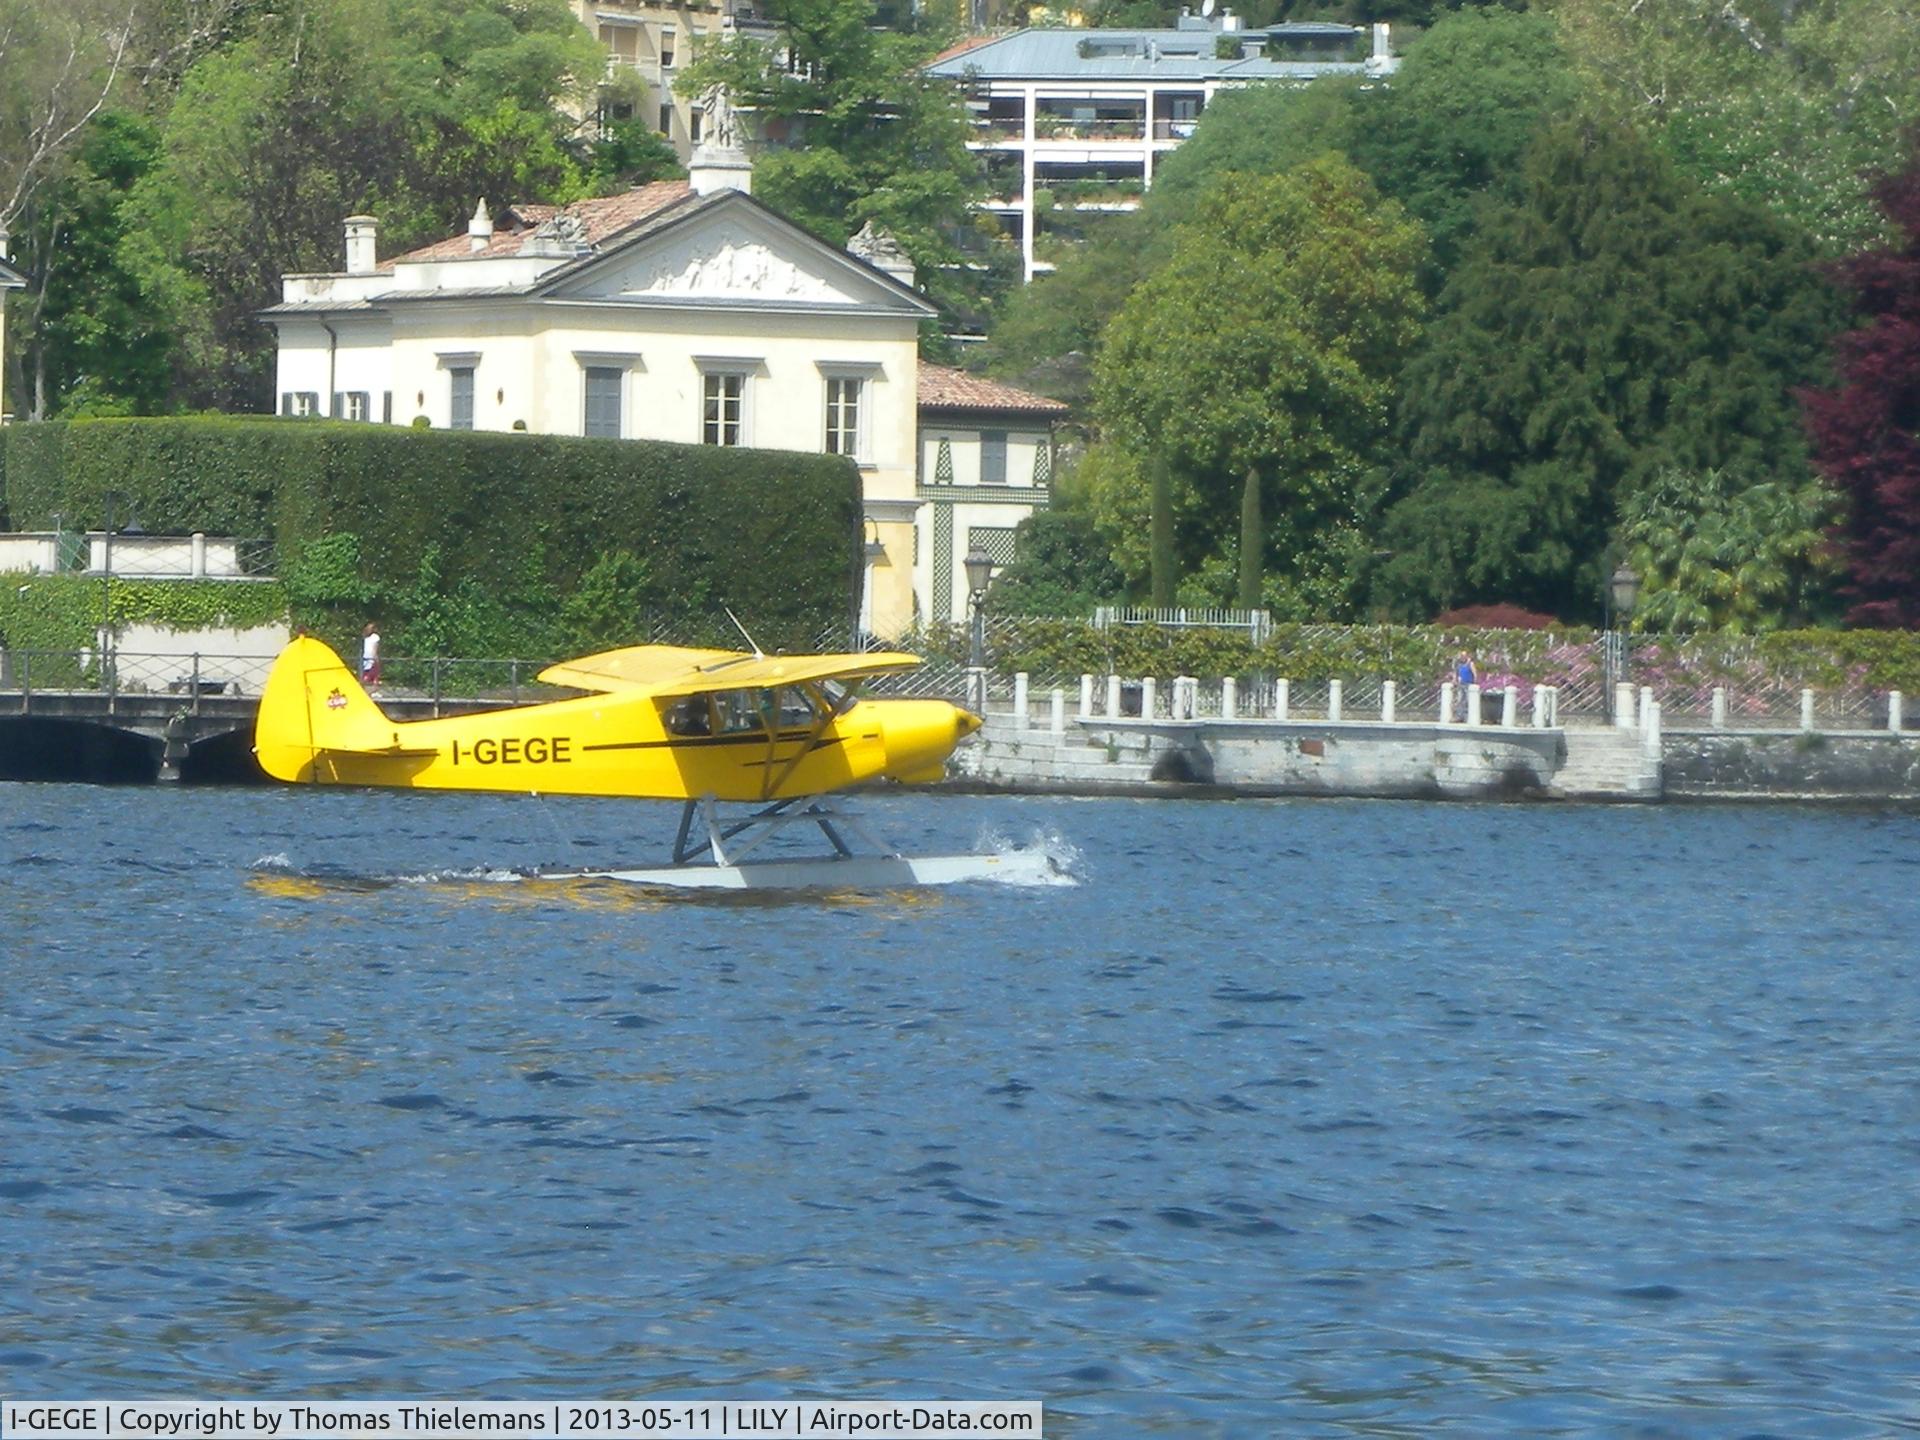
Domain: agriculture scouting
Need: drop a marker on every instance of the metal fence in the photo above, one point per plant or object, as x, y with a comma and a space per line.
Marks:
121, 672
1756, 690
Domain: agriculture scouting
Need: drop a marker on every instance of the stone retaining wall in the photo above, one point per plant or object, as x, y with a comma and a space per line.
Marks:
1786, 765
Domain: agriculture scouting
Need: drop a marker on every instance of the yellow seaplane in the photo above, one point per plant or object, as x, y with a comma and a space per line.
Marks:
659, 722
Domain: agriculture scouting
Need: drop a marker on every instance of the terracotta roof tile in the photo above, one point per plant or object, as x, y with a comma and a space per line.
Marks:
602, 218
943, 388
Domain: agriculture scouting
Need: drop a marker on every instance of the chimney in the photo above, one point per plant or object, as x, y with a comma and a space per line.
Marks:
1381, 31
717, 167
362, 233
4, 239
480, 227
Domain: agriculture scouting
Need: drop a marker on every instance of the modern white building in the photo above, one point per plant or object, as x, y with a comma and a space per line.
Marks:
683, 311
1072, 122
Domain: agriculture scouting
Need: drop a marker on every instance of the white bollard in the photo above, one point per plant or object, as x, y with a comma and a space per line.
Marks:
1057, 713
1020, 716
1623, 705
1280, 699
197, 548
1333, 699
1229, 698
1113, 697
1086, 697
1651, 737
1646, 704
1387, 696
1473, 703
1806, 709
1446, 702
1186, 693
1510, 708
1149, 696
1541, 695
1895, 721
1719, 707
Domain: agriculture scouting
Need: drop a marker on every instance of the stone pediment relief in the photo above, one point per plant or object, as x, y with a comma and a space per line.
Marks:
719, 266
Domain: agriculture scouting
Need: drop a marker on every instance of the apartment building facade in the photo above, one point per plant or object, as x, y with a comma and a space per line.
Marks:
1071, 123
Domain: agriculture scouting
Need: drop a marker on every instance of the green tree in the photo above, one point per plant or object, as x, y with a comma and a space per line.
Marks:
1791, 106
90, 345
410, 109
1061, 567
852, 130
1618, 320
1451, 129
1716, 553
1267, 345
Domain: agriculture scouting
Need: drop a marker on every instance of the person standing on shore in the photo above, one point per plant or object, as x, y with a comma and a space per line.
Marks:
370, 655
1464, 674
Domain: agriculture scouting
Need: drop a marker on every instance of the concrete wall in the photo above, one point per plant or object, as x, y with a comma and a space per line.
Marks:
1774, 764
1263, 757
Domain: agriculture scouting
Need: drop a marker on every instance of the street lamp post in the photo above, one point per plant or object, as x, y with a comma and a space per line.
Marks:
1623, 591
979, 566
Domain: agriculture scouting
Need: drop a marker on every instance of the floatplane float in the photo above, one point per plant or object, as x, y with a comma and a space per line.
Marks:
782, 733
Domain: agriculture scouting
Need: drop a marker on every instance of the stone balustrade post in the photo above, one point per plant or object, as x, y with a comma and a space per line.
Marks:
1229, 698
1334, 699
1086, 696
197, 547
1280, 699
1473, 703
1020, 695
1186, 697
1542, 694
1057, 713
1446, 702
1113, 697
1387, 699
1895, 720
1650, 737
1646, 704
1149, 696
1806, 709
1510, 707
1623, 705
1719, 707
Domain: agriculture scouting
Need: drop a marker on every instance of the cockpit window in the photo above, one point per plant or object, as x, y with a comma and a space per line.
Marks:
786, 708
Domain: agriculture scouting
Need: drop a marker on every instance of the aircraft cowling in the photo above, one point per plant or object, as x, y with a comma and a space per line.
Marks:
919, 735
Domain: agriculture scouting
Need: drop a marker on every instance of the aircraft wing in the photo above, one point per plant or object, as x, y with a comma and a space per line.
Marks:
668, 671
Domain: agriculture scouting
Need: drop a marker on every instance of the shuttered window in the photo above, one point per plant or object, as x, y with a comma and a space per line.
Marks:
603, 402
460, 414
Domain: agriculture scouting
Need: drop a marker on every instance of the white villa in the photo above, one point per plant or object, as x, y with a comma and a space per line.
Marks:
1071, 122
684, 311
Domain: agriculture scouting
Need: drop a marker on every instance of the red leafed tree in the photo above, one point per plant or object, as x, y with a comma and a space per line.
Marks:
1866, 431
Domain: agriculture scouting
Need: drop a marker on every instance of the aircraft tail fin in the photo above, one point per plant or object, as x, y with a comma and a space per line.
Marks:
312, 705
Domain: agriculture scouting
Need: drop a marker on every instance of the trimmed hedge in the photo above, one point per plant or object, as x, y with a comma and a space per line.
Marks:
772, 535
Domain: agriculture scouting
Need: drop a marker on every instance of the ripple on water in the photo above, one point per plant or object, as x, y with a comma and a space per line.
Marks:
1284, 1119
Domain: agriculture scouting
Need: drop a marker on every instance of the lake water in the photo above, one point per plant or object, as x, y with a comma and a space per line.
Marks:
1285, 1118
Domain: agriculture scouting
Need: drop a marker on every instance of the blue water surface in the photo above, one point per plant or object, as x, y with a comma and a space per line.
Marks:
1286, 1118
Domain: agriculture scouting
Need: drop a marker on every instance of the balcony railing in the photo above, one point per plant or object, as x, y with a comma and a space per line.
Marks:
1065, 127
